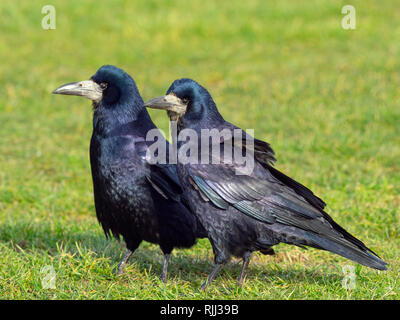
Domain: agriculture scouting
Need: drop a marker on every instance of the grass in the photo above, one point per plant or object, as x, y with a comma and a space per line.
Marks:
327, 100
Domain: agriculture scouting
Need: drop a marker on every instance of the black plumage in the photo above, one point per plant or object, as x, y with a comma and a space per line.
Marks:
133, 198
250, 211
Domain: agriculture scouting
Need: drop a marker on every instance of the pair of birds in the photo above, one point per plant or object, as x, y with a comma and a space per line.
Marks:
175, 204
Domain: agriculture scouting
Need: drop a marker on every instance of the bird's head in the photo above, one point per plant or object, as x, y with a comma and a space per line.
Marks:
186, 101
109, 86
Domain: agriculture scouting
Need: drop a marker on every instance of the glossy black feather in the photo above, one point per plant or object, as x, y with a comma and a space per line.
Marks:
133, 198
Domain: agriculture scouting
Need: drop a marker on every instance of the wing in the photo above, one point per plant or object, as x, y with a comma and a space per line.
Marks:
164, 180
162, 177
266, 199
265, 155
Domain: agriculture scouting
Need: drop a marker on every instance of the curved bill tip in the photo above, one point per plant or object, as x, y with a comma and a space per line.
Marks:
66, 88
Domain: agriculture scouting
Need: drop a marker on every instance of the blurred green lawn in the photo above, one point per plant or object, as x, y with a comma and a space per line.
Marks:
327, 100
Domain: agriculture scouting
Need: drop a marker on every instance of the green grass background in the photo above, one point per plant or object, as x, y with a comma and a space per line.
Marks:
327, 99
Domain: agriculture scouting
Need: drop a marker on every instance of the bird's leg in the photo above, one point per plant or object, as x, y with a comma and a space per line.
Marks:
122, 264
246, 260
163, 276
212, 275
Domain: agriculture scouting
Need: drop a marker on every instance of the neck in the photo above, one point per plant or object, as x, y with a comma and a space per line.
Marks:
110, 119
202, 120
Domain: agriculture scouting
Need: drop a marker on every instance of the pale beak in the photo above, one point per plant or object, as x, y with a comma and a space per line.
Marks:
88, 89
170, 102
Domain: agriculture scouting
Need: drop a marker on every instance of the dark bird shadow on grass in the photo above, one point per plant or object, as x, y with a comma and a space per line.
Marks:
187, 265
53, 241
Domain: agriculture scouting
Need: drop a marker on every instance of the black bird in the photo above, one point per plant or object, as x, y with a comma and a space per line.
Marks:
133, 198
248, 211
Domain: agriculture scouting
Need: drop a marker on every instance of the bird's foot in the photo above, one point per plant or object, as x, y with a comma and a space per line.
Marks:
204, 286
120, 269
163, 277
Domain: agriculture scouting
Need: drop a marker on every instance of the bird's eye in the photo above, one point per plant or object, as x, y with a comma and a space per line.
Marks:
103, 85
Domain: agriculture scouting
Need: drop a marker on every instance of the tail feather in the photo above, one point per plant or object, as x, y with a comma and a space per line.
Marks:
346, 249
351, 252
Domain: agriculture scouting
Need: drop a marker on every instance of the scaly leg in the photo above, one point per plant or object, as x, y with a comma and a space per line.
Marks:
211, 276
163, 276
122, 264
246, 260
